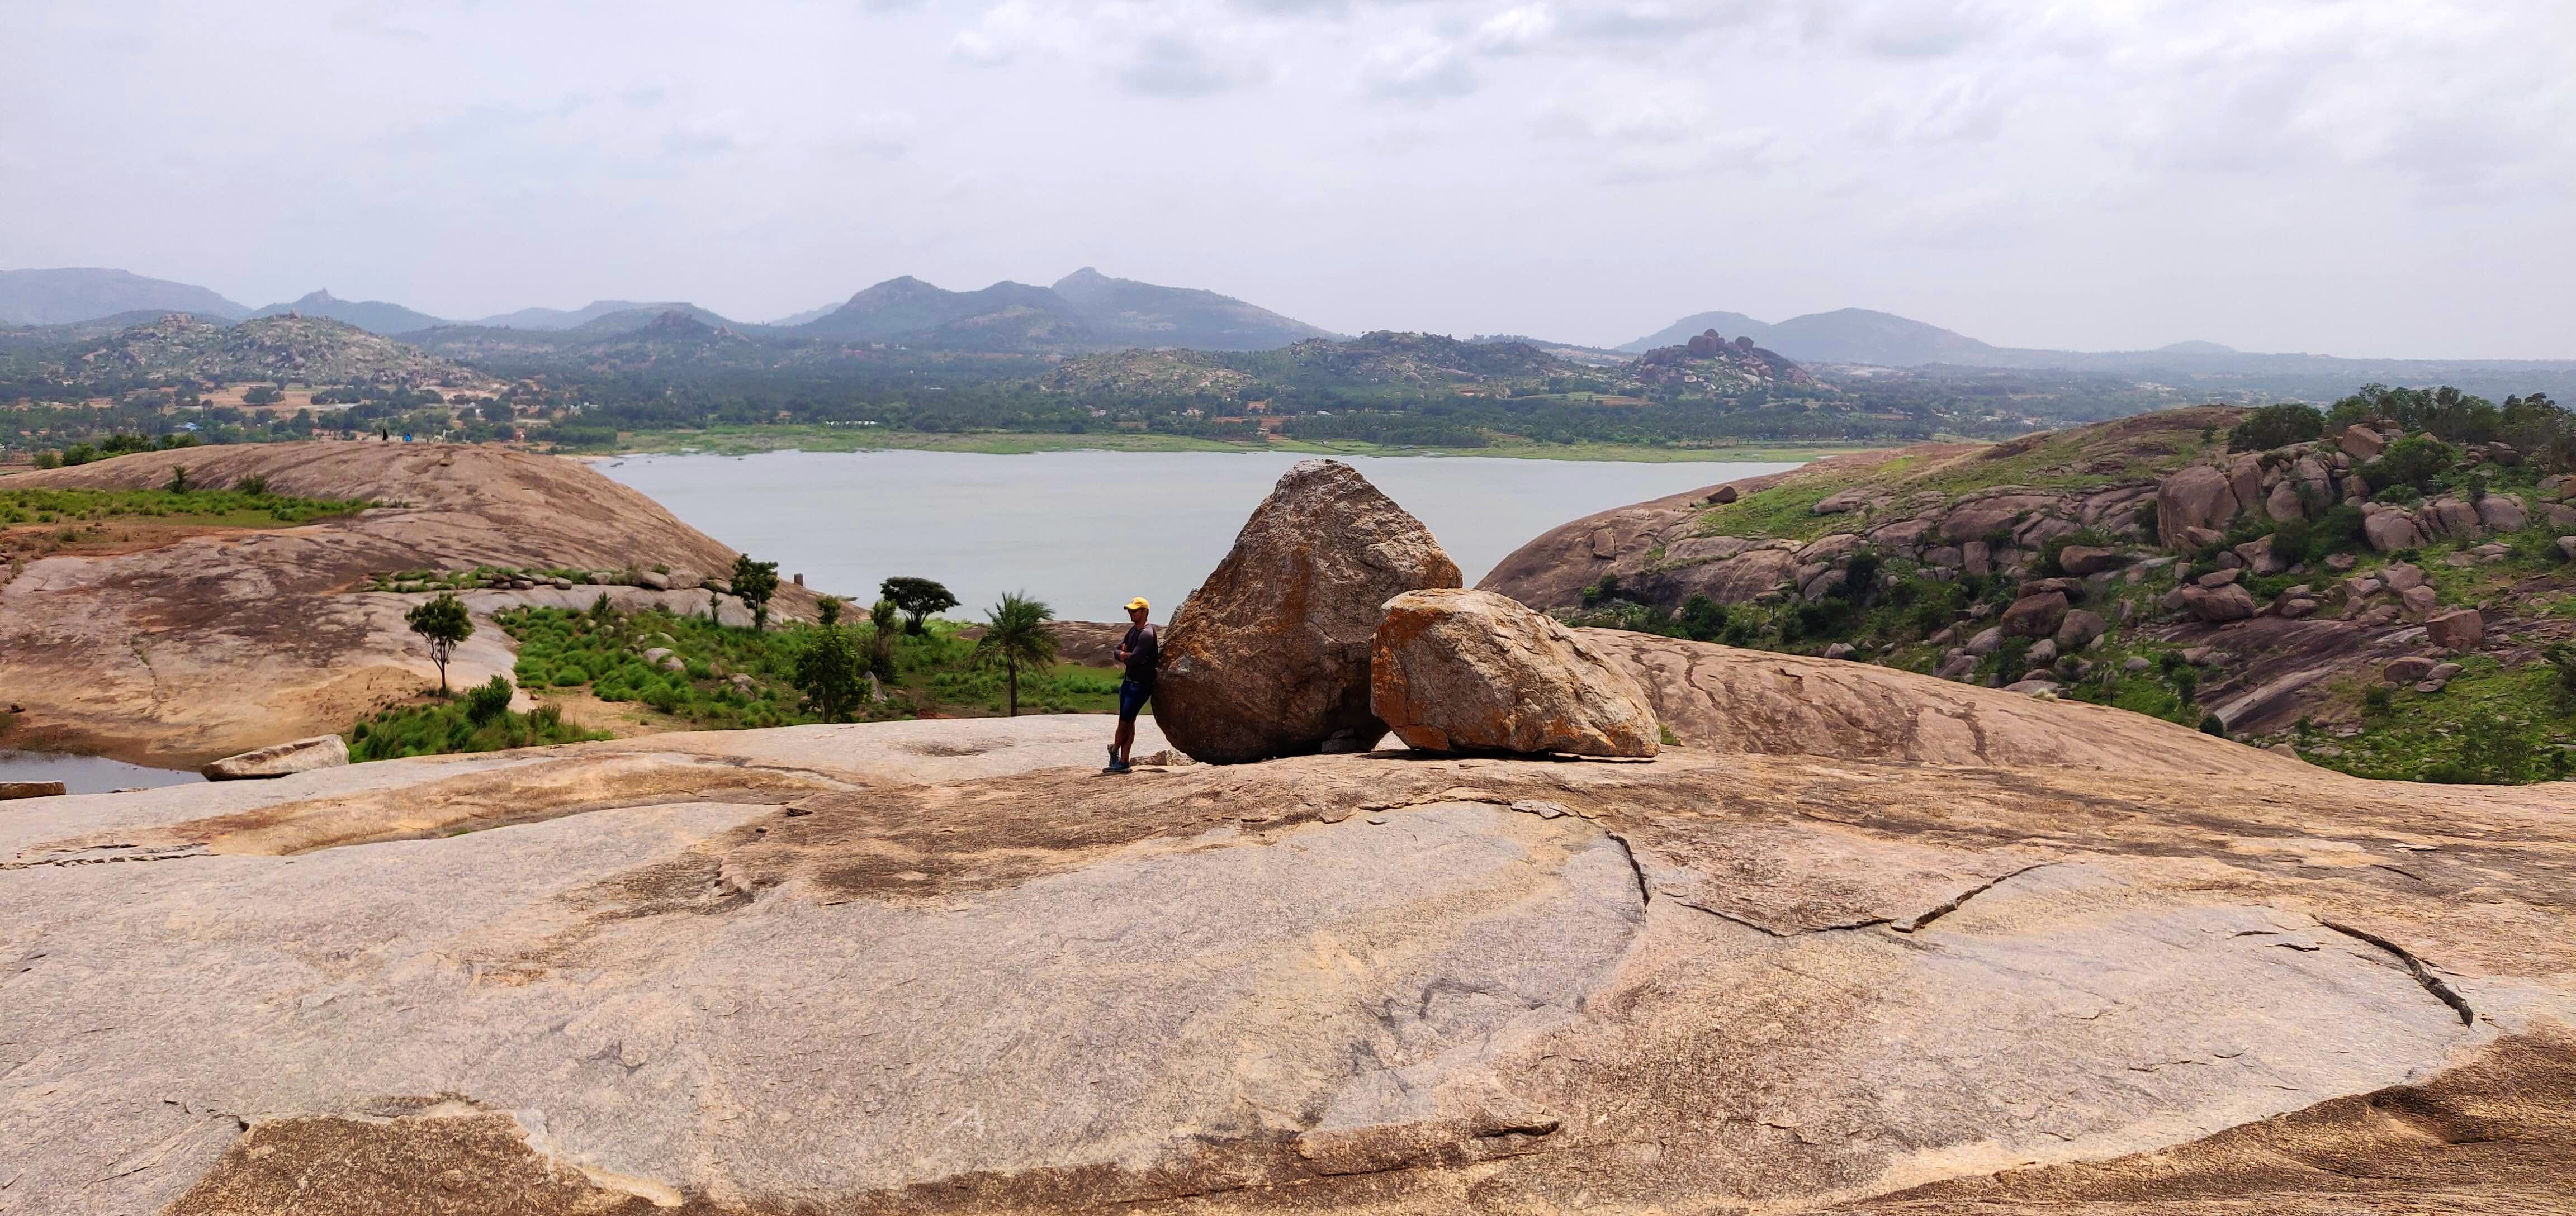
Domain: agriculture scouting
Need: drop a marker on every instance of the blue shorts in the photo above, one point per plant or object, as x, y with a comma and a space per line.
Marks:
1132, 697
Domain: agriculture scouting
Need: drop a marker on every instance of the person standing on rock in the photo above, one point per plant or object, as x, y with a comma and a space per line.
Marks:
1138, 650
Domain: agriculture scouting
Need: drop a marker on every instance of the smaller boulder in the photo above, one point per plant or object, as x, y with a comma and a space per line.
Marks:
2401, 575
2418, 600
2361, 442
1723, 496
2445, 672
2391, 530
2340, 562
1957, 667
11, 791
2458, 629
2295, 608
2035, 616
1986, 641
2043, 651
653, 579
2079, 629
1459, 670
2135, 663
2081, 560
2567, 547
2502, 513
281, 759
2407, 670
2220, 578
2218, 604
1839, 650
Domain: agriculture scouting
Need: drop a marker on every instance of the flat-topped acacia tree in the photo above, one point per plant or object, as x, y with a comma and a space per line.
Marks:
445, 624
918, 598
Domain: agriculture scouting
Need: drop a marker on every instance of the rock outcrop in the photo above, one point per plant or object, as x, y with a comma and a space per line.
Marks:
1457, 670
214, 641
1270, 656
944, 966
281, 759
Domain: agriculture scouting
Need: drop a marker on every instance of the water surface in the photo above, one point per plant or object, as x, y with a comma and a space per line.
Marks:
1086, 530
87, 774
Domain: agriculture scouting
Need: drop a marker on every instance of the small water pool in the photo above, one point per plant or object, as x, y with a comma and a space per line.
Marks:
87, 774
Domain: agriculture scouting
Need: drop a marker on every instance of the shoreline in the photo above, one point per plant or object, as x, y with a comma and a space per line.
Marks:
754, 441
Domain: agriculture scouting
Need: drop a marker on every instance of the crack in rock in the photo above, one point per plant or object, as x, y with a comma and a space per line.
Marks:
2424, 976
1911, 924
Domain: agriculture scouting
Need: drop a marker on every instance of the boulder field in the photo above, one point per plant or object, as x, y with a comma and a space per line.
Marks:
944, 966
236, 639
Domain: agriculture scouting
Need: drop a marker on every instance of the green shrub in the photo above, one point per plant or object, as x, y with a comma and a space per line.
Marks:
487, 701
2276, 426
2210, 724
2414, 462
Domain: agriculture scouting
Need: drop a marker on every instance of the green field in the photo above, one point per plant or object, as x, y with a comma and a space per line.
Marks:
222, 508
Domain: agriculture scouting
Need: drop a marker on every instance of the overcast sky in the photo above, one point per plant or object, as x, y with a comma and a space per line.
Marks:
2363, 177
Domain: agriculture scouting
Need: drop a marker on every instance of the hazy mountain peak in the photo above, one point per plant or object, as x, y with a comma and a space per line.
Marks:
85, 293
2196, 346
374, 316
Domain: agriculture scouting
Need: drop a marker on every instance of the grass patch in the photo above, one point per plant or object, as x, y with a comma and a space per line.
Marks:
2492, 725
479, 721
226, 508
718, 677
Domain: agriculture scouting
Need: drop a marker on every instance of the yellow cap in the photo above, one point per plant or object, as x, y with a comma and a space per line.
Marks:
1138, 602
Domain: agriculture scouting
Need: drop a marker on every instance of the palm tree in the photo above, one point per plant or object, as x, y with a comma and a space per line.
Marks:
1015, 635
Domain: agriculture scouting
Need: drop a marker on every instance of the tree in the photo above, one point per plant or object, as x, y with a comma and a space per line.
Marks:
918, 598
1016, 636
265, 394
2276, 426
827, 611
755, 582
881, 645
443, 621
827, 672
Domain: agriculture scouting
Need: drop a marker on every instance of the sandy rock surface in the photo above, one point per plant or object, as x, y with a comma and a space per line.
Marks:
1457, 670
237, 639
944, 966
1270, 656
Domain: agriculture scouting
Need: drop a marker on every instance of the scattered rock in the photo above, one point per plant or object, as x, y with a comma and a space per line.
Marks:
11, 791
1839, 650
2567, 547
2458, 629
1986, 641
1841, 501
2192, 501
2079, 629
2361, 442
2296, 609
2391, 530
2135, 663
2035, 616
1457, 670
2220, 578
2088, 559
2032, 686
2407, 670
1957, 667
2043, 651
2402, 575
2218, 604
2445, 672
282, 759
1724, 495
2418, 600
2502, 513
2340, 562
654, 579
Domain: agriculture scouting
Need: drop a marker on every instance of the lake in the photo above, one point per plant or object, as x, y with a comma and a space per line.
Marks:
87, 774
1086, 530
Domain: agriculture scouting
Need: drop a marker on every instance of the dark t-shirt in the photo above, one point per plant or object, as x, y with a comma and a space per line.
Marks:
1143, 646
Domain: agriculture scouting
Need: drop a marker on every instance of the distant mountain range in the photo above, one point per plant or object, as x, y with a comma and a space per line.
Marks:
60, 297
1859, 335
1083, 311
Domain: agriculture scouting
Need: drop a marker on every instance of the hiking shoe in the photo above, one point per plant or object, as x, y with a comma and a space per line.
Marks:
1116, 767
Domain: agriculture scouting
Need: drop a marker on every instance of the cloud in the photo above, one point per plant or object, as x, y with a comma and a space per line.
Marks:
995, 37
1514, 30
1171, 65
1958, 110
696, 144
1419, 68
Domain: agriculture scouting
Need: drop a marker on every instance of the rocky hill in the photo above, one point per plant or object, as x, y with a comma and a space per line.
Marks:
373, 316
1707, 365
316, 350
1085, 310
2369, 612
1852, 939
180, 648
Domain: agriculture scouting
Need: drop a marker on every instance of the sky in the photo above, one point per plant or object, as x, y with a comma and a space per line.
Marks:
2356, 177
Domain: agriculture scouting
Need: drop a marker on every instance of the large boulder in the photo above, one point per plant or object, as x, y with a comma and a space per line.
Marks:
1270, 656
281, 760
2361, 442
2198, 496
2081, 560
2502, 513
1456, 670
